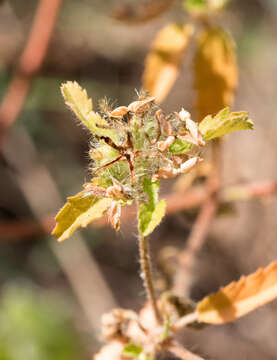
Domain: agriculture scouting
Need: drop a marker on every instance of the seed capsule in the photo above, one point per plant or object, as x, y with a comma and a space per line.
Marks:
114, 213
184, 115
165, 173
189, 164
96, 191
140, 105
194, 132
164, 124
119, 112
164, 145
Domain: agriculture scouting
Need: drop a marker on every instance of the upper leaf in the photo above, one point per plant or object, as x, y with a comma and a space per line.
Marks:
223, 123
215, 71
164, 60
76, 98
79, 211
239, 298
151, 213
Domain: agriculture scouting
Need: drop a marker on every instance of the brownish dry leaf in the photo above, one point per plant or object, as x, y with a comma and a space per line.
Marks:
215, 71
239, 298
164, 60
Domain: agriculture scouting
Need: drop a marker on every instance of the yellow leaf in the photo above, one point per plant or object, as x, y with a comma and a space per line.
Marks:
76, 98
239, 298
79, 211
164, 60
223, 123
216, 73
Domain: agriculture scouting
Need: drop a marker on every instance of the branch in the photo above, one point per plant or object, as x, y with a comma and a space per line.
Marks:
74, 257
181, 352
201, 226
29, 63
190, 199
194, 244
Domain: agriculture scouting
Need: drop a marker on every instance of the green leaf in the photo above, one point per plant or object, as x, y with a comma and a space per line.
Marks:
151, 213
132, 351
223, 123
79, 211
180, 147
76, 98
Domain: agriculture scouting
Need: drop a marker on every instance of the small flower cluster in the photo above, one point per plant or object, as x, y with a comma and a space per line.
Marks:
148, 145
132, 148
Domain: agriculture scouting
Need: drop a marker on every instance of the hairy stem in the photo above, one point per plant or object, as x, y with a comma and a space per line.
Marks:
146, 274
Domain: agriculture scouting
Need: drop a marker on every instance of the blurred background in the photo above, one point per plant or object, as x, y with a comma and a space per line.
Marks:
52, 295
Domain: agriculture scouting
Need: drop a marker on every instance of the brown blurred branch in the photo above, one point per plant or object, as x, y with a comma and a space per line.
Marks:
29, 63
181, 352
142, 12
75, 259
194, 244
190, 199
201, 226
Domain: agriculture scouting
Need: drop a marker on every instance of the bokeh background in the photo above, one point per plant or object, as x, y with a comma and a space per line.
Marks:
52, 295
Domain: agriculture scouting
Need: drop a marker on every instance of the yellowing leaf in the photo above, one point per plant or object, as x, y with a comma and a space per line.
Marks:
239, 298
151, 213
223, 123
164, 60
79, 211
216, 73
76, 98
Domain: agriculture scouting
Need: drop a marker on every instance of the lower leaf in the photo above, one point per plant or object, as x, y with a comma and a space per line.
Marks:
79, 211
239, 298
150, 216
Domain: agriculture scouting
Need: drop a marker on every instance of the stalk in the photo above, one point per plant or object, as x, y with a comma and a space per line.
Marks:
146, 274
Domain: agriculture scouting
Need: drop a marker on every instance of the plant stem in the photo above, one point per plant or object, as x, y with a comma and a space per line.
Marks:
146, 274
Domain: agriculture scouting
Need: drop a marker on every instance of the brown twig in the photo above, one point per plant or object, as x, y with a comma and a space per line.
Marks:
29, 63
87, 281
181, 352
201, 226
194, 244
